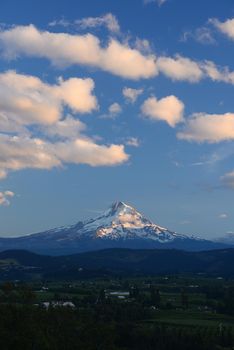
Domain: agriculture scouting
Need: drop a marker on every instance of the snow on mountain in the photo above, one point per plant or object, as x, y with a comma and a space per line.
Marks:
120, 226
121, 221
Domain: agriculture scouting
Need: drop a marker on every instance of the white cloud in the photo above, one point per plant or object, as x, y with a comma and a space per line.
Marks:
77, 94
121, 59
143, 45
59, 22
228, 179
26, 100
86, 151
5, 196
220, 154
202, 127
226, 27
223, 216
215, 73
65, 49
159, 2
66, 128
114, 109
131, 95
180, 68
22, 152
108, 20
202, 35
185, 222
133, 142
129, 63
169, 109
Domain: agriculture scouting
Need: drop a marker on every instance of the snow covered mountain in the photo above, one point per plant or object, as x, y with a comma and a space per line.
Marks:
121, 226
122, 222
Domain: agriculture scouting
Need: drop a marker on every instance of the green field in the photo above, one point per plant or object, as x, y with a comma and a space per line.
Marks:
162, 313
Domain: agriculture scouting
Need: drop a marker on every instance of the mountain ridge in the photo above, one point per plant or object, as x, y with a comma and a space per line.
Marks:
114, 262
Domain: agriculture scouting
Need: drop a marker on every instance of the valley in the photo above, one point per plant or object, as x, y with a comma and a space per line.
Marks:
119, 313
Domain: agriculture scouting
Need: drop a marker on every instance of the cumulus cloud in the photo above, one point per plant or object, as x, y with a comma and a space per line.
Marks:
30, 107
114, 109
216, 73
76, 93
228, 179
117, 58
5, 197
180, 68
26, 100
122, 59
213, 72
131, 95
169, 109
65, 49
202, 127
66, 128
22, 152
226, 27
108, 20
86, 151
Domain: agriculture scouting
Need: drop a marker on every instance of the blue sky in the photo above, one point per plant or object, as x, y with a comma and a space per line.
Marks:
117, 100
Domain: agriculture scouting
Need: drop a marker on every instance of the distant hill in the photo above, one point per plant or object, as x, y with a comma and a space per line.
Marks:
19, 264
120, 226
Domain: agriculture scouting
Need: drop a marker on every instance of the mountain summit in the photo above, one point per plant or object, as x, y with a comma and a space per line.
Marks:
122, 222
120, 226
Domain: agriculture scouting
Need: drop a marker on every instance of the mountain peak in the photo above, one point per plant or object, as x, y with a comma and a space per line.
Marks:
122, 221
120, 225
118, 205
117, 208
